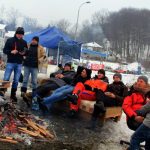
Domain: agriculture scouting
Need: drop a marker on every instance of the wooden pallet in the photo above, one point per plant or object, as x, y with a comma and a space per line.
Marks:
4, 84
86, 108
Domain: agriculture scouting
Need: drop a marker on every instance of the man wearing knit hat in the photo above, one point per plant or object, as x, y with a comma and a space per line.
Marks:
114, 96
34, 56
135, 101
14, 49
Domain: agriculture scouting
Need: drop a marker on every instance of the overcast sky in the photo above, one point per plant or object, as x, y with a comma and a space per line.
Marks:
52, 10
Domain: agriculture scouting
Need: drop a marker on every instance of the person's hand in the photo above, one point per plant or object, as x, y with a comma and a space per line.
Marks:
112, 95
14, 52
139, 119
60, 76
109, 94
22, 53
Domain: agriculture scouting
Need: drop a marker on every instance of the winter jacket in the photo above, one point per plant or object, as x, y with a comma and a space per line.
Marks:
14, 44
105, 79
95, 84
67, 79
134, 101
34, 56
119, 90
79, 78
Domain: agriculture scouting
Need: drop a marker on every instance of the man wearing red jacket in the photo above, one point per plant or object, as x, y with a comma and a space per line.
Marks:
135, 101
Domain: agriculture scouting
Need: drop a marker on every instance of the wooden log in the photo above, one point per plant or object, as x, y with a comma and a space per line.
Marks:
8, 140
43, 130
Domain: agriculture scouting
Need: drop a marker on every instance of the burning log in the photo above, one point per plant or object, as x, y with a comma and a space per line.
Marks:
8, 139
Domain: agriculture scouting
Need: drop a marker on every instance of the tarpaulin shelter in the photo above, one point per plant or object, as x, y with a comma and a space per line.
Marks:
54, 39
95, 53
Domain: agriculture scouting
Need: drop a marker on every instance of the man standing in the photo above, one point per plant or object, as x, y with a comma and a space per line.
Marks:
14, 49
34, 56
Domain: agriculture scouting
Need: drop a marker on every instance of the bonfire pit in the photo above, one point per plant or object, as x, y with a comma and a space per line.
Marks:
18, 126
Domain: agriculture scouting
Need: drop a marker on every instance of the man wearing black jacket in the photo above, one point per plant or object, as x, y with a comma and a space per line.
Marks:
114, 96
56, 80
14, 49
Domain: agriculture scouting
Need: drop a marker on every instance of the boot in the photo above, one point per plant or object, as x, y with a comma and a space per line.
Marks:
99, 110
73, 98
92, 124
23, 91
13, 95
2, 92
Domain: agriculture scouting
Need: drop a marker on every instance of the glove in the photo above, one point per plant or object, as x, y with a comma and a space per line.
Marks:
87, 87
140, 113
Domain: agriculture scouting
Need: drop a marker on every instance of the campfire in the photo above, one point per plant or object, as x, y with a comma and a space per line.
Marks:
19, 126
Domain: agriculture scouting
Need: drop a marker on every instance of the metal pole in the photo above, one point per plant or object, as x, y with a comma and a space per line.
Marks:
78, 18
58, 51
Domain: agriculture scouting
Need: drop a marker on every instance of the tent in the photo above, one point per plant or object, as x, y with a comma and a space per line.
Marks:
53, 38
95, 53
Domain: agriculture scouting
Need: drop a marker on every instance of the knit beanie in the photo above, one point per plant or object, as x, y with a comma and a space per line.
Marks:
36, 38
20, 30
68, 64
118, 75
144, 78
101, 71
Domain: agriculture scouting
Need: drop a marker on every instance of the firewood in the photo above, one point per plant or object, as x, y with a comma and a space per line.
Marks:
43, 130
28, 132
8, 140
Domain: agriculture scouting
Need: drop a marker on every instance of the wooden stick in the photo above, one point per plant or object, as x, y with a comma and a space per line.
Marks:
8, 140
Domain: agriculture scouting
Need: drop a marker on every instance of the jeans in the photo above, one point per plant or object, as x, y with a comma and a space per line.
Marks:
140, 135
27, 72
10, 67
58, 95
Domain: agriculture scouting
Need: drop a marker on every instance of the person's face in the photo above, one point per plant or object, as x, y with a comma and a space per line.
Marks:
141, 83
19, 36
67, 68
83, 73
100, 75
116, 79
34, 42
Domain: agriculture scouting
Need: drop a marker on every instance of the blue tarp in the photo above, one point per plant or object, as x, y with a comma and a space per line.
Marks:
91, 52
53, 37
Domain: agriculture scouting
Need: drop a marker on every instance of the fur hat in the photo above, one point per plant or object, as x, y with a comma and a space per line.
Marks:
118, 75
101, 71
20, 30
144, 78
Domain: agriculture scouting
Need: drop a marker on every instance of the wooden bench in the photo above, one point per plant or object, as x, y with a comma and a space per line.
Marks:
86, 108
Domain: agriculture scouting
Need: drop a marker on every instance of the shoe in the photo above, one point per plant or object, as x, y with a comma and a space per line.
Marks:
73, 99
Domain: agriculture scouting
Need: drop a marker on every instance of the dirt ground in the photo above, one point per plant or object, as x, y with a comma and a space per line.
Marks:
71, 134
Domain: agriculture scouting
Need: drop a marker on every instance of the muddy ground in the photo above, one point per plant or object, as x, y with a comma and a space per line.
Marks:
71, 134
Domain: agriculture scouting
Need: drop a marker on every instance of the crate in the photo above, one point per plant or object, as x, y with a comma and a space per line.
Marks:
4, 84
86, 109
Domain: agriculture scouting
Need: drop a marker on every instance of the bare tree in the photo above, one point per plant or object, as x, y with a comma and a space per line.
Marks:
12, 18
30, 24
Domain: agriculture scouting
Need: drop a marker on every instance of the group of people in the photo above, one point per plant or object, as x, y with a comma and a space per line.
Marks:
66, 84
